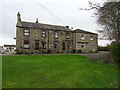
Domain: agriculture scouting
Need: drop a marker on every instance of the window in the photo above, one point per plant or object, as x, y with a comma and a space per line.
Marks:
67, 35
69, 45
91, 37
62, 33
26, 44
55, 44
26, 32
43, 44
82, 37
56, 34
82, 45
93, 45
43, 34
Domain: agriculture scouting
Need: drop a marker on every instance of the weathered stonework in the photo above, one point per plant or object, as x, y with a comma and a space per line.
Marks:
65, 40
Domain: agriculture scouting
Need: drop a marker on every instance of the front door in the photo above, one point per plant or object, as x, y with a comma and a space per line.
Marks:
63, 46
36, 44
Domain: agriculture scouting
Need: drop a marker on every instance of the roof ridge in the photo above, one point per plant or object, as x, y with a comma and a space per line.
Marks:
26, 24
85, 31
43, 24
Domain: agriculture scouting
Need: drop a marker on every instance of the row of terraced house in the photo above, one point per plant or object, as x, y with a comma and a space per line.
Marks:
35, 37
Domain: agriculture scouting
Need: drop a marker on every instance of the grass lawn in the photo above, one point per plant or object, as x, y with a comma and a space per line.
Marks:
57, 71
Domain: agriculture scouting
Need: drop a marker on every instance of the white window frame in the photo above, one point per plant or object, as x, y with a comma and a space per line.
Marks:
43, 44
43, 33
91, 37
55, 44
93, 45
67, 35
56, 34
26, 46
82, 37
69, 45
83, 45
26, 32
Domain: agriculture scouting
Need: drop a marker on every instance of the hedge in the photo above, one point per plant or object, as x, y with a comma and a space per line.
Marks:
115, 51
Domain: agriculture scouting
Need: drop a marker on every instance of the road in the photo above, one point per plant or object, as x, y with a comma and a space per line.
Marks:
8, 53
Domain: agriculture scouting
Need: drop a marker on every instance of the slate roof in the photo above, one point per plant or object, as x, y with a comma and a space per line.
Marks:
24, 24
42, 26
83, 31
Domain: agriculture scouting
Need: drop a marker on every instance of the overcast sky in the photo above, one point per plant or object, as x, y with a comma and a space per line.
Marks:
67, 11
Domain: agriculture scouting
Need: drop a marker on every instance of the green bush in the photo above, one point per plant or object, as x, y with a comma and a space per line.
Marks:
105, 48
115, 51
78, 51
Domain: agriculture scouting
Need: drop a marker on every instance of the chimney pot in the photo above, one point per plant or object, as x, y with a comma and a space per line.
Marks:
18, 17
67, 26
37, 20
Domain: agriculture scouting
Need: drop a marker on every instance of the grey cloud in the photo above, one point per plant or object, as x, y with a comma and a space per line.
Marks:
66, 10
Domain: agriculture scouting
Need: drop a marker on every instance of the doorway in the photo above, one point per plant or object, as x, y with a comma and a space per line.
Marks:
63, 46
36, 44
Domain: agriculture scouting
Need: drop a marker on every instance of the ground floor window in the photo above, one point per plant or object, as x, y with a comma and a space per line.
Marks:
69, 45
55, 44
93, 45
43, 44
82, 45
26, 44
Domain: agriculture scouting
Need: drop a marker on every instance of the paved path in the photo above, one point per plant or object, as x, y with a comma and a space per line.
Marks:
8, 53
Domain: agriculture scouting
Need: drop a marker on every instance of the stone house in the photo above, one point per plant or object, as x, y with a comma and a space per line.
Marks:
35, 37
85, 41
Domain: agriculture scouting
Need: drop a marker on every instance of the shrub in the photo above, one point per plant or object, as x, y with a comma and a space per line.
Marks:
115, 51
78, 51
105, 48
19, 51
73, 51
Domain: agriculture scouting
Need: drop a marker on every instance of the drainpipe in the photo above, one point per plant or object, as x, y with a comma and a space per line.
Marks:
48, 39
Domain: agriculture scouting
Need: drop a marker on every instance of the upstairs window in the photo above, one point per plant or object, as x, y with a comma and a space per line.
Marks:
67, 35
56, 34
26, 32
82, 37
55, 44
26, 44
43, 34
43, 44
91, 37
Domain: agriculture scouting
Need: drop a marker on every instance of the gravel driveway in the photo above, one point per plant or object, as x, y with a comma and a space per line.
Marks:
103, 56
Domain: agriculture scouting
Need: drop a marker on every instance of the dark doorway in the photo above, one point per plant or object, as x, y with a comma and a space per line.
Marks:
63, 46
36, 44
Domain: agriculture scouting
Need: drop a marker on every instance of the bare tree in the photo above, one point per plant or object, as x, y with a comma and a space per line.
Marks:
108, 15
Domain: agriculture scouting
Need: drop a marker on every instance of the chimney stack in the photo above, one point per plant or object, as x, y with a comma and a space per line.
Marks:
67, 26
18, 18
37, 20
